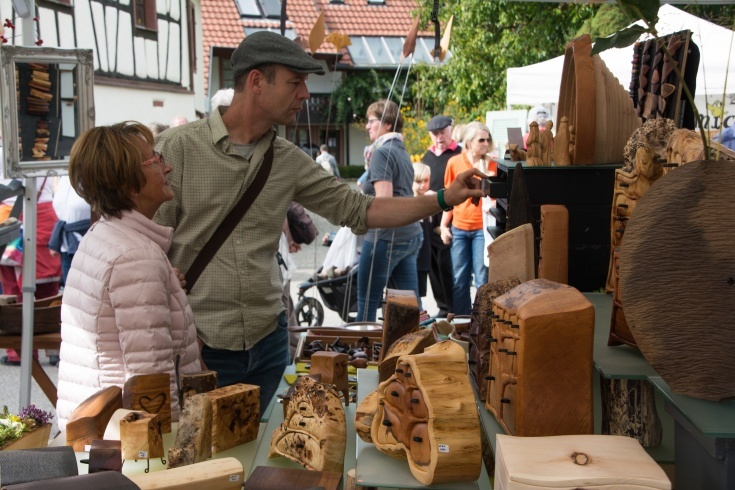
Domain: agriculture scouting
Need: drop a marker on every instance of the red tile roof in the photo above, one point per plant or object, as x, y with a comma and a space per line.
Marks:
222, 25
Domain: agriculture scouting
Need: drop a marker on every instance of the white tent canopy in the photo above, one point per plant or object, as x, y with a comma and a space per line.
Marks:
539, 83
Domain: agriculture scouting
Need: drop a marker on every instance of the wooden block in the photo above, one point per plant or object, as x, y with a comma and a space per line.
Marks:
235, 415
140, 436
194, 437
412, 343
553, 258
313, 433
512, 255
427, 414
581, 461
215, 474
268, 478
88, 421
150, 393
401, 315
193, 383
105, 456
332, 369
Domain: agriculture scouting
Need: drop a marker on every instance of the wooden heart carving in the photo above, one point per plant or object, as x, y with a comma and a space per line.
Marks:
152, 405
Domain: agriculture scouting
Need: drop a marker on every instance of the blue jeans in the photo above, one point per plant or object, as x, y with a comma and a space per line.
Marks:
262, 365
468, 254
397, 261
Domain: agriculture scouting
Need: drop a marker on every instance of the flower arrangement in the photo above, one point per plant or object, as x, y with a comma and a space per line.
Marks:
14, 427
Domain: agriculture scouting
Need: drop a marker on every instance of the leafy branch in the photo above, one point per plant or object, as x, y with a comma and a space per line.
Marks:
647, 11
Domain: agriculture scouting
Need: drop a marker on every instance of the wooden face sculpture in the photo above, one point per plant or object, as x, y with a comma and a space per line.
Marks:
313, 432
426, 413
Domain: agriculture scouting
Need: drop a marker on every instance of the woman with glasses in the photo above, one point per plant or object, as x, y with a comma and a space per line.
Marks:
124, 310
463, 225
387, 253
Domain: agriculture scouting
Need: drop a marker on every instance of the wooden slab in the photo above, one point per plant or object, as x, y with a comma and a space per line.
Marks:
268, 478
401, 316
215, 474
88, 421
553, 257
194, 437
193, 383
235, 415
512, 255
150, 393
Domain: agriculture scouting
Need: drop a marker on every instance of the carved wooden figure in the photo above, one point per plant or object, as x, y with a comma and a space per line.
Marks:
516, 154
401, 317
193, 383
546, 138
533, 146
561, 144
194, 437
88, 421
150, 393
332, 369
313, 432
428, 415
140, 436
235, 415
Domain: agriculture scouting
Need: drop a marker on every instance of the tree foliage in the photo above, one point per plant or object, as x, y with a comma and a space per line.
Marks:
489, 37
357, 91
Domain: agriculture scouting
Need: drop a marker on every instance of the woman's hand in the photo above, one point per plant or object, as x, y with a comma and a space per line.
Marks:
181, 277
446, 235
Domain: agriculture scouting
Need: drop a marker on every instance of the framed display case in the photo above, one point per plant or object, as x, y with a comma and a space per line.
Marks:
47, 100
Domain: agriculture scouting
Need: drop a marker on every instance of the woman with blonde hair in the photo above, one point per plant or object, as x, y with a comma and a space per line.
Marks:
463, 226
124, 310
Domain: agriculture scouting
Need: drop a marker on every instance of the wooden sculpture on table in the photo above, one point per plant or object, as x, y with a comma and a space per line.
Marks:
541, 365
235, 415
88, 421
331, 368
561, 143
140, 436
313, 433
150, 393
533, 146
599, 111
427, 414
553, 257
194, 437
546, 138
401, 315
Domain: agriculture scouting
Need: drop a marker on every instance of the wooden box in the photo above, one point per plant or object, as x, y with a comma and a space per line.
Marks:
540, 375
235, 415
572, 462
330, 335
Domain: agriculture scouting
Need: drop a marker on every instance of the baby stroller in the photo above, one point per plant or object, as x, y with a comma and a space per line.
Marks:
338, 293
336, 282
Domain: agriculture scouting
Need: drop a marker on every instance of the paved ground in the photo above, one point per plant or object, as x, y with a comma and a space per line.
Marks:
308, 261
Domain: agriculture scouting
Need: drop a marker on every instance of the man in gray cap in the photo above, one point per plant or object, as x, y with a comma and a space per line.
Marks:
436, 157
237, 301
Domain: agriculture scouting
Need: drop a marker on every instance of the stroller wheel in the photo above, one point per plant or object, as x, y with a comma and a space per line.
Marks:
309, 312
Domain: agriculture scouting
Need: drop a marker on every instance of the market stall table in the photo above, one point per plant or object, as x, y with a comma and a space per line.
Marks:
50, 341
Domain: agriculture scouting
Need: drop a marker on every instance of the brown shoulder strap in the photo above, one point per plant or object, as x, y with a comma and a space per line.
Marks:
231, 220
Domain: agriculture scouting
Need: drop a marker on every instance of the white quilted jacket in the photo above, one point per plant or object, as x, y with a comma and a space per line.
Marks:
123, 313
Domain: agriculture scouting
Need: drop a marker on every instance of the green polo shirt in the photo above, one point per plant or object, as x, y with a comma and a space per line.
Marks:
237, 299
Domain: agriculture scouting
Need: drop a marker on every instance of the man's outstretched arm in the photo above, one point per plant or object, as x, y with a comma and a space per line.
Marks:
392, 212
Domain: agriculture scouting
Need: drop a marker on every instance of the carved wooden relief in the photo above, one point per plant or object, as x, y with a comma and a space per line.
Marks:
313, 432
427, 414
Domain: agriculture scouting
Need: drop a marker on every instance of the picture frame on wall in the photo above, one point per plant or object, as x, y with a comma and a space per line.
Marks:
48, 101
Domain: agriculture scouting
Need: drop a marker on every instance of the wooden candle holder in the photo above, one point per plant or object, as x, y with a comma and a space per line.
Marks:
140, 436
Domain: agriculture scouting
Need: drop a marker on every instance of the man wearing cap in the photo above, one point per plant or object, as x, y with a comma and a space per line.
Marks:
436, 157
237, 301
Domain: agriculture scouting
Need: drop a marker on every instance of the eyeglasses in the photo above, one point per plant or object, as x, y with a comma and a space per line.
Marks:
483, 140
157, 158
372, 120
